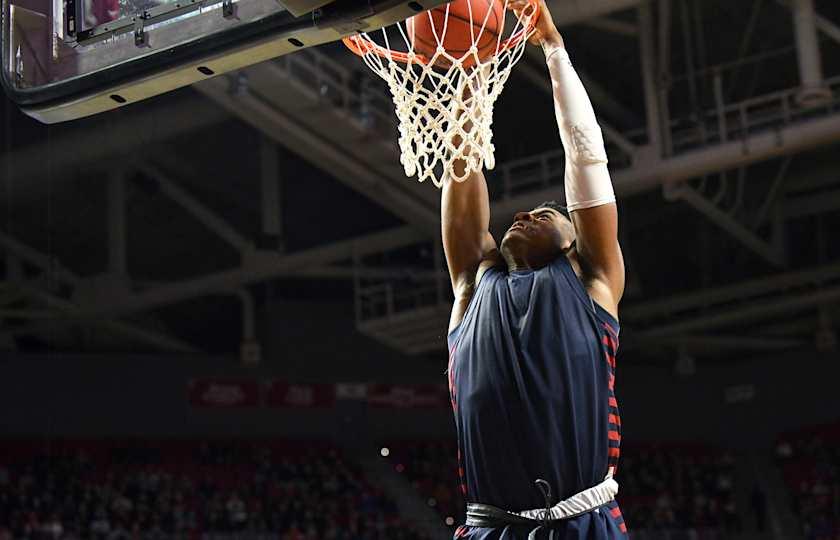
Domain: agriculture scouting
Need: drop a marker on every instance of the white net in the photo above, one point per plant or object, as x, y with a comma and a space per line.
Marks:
444, 103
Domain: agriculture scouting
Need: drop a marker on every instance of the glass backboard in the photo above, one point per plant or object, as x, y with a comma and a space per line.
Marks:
66, 59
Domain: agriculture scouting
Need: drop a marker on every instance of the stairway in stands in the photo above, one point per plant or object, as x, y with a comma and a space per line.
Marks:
412, 507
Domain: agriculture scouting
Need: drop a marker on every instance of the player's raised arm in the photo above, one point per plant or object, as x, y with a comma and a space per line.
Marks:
589, 192
465, 227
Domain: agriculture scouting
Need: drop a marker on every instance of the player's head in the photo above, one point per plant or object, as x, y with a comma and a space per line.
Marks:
537, 237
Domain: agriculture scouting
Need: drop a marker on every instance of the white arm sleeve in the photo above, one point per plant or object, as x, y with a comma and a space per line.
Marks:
587, 179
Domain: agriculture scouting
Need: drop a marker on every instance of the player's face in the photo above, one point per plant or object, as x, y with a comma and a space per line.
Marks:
539, 235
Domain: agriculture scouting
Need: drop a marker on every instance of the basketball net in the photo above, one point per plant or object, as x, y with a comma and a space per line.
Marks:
444, 104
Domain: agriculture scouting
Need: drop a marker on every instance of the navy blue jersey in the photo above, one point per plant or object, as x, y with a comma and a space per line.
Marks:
531, 379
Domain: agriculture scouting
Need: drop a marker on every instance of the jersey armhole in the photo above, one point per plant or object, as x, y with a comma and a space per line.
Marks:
597, 309
607, 318
455, 333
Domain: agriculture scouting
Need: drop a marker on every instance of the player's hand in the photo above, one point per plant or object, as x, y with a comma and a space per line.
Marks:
545, 31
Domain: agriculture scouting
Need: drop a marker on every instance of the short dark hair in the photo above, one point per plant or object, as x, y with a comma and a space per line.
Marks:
554, 205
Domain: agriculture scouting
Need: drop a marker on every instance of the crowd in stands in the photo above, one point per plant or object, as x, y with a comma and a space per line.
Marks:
679, 487
810, 463
676, 488
296, 491
210, 490
432, 468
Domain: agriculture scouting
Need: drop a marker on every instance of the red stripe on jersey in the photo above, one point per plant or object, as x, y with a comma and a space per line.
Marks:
614, 452
613, 435
610, 360
622, 527
616, 512
451, 378
613, 419
611, 330
613, 402
611, 383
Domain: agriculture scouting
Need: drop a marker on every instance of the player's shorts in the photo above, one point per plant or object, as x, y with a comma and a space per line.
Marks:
602, 523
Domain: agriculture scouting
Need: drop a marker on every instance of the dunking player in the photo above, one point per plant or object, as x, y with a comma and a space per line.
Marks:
533, 338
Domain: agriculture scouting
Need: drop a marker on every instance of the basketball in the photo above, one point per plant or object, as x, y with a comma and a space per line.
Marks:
424, 30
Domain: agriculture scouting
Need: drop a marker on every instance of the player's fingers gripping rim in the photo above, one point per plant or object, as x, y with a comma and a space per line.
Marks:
523, 9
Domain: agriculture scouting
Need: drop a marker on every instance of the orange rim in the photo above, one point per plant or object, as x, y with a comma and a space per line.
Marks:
361, 45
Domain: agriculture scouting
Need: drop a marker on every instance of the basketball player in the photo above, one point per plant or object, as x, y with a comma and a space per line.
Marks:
533, 337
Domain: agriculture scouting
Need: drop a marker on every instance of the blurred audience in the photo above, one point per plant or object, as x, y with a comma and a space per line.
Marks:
432, 468
679, 488
192, 490
810, 462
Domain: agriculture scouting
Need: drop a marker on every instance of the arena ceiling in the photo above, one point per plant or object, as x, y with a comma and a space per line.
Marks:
281, 180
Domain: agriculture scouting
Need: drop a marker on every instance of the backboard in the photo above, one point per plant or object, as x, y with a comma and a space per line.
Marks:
67, 59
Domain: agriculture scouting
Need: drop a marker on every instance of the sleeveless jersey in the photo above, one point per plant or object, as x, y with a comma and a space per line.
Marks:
531, 380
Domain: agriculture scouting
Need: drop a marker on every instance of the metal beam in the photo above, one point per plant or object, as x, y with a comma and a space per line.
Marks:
755, 312
532, 67
648, 53
651, 173
828, 28
341, 165
72, 312
808, 52
748, 238
259, 267
568, 12
196, 208
639, 178
607, 104
708, 298
772, 194
272, 223
249, 334
101, 137
823, 24
39, 260
614, 26
798, 207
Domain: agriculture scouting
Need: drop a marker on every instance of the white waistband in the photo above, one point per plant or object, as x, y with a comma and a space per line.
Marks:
579, 503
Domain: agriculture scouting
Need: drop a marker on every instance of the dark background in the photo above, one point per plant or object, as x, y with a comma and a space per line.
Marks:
81, 359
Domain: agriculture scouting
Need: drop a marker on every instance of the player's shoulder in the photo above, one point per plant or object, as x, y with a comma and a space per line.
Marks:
491, 260
491, 263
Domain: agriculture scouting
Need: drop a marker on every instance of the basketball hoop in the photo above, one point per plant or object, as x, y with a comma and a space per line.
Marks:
444, 101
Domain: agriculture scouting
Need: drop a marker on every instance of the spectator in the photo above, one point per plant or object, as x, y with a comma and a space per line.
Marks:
277, 491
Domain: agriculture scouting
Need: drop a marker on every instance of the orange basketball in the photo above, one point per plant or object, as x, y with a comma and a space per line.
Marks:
458, 39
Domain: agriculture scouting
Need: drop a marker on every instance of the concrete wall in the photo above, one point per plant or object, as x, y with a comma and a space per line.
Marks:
146, 395
791, 390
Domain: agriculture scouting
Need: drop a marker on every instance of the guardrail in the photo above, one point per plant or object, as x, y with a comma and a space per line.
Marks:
353, 90
736, 121
725, 123
386, 299
366, 100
